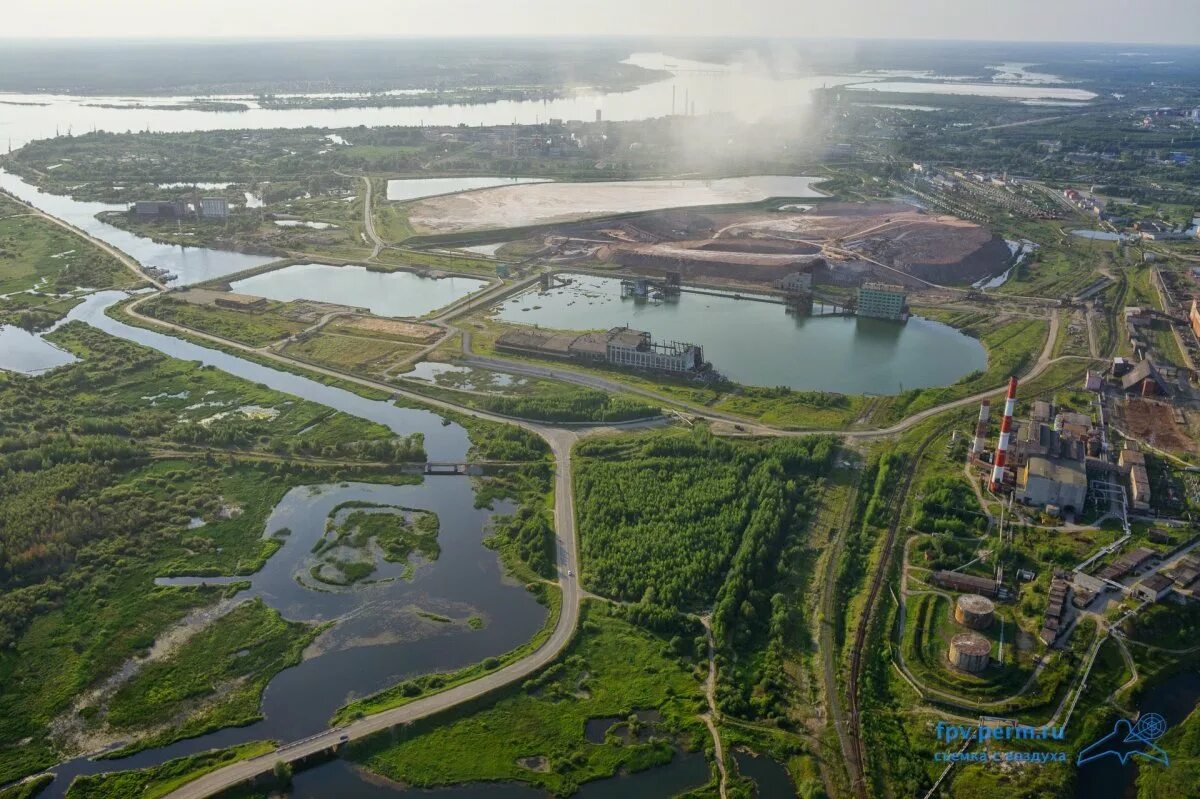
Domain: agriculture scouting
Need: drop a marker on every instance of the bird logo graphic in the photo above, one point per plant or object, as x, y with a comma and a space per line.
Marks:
1128, 740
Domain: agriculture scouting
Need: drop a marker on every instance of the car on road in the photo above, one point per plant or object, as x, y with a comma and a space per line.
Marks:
570, 573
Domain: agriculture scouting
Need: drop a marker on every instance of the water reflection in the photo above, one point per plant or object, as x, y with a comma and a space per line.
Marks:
759, 344
28, 353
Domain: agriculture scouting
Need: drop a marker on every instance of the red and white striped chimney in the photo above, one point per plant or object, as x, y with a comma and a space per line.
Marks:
1010, 405
985, 409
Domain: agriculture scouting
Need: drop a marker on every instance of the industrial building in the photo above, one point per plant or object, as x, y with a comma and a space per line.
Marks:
882, 301
1133, 463
1144, 380
620, 346
974, 611
1054, 619
795, 281
160, 209
956, 581
1057, 482
214, 208
970, 652
1126, 564
1154, 587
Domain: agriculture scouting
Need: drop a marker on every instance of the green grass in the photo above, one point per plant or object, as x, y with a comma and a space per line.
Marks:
158, 781
27, 789
214, 680
612, 668
257, 328
350, 353
37, 254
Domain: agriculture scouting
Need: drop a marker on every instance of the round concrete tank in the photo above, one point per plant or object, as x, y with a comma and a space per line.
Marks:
974, 611
970, 652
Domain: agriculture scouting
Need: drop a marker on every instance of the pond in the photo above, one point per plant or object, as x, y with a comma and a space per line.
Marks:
364, 652
1107, 778
398, 293
29, 353
771, 779
415, 188
189, 264
759, 344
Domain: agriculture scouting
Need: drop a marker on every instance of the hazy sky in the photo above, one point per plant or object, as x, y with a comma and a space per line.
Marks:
1175, 21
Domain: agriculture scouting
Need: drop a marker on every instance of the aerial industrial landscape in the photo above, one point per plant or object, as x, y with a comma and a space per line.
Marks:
639, 416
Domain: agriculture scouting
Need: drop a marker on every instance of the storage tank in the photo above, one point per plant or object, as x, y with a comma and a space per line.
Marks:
970, 652
974, 611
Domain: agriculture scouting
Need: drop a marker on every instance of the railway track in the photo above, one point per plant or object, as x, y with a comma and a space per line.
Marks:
856, 758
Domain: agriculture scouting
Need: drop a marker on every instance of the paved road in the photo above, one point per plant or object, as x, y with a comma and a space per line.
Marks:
560, 441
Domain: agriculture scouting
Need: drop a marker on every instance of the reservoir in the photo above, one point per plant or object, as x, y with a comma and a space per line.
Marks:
415, 188
397, 293
760, 344
189, 264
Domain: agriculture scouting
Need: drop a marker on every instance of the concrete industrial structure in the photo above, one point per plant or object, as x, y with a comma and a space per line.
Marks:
974, 611
795, 281
957, 581
160, 209
1054, 619
1133, 463
214, 208
1154, 587
620, 346
970, 652
882, 301
1010, 405
1052, 482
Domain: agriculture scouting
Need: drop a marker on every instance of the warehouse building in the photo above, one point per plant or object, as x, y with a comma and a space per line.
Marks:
620, 346
1059, 482
882, 301
957, 581
214, 208
160, 209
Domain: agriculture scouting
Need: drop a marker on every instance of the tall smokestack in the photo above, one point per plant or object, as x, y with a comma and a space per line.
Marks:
1010, 405
985, 409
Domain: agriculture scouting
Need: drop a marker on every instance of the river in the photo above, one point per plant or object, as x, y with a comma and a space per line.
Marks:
365, 651
189, 264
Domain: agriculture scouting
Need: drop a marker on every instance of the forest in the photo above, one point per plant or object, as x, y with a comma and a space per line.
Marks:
690, 521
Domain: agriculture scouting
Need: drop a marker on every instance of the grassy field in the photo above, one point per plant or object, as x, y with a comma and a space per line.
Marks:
88, 519
39, 256
536, 734
257, 328
370, 356
158, 781
214, 680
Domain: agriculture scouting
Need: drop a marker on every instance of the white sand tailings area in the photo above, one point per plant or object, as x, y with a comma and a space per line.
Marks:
543, 203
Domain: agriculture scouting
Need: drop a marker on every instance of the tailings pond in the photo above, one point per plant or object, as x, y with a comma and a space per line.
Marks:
403, 189
760, 344
380, 639
397, 293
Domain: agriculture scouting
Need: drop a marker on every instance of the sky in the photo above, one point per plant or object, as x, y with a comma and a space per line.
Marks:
1166, 21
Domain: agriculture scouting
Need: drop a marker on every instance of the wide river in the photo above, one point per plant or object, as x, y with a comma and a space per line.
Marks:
744, 90
760, 344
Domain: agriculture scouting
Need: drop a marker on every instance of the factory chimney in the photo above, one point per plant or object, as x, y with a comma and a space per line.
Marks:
1010, 405
985, 409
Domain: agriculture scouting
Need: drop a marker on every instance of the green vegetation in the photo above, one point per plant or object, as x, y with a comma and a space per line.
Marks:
536, 734
152, 783
1183, 777
43, 266
347, 556
214, 680
95, 503
548, 401
370, 356
257, 328
27, 789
